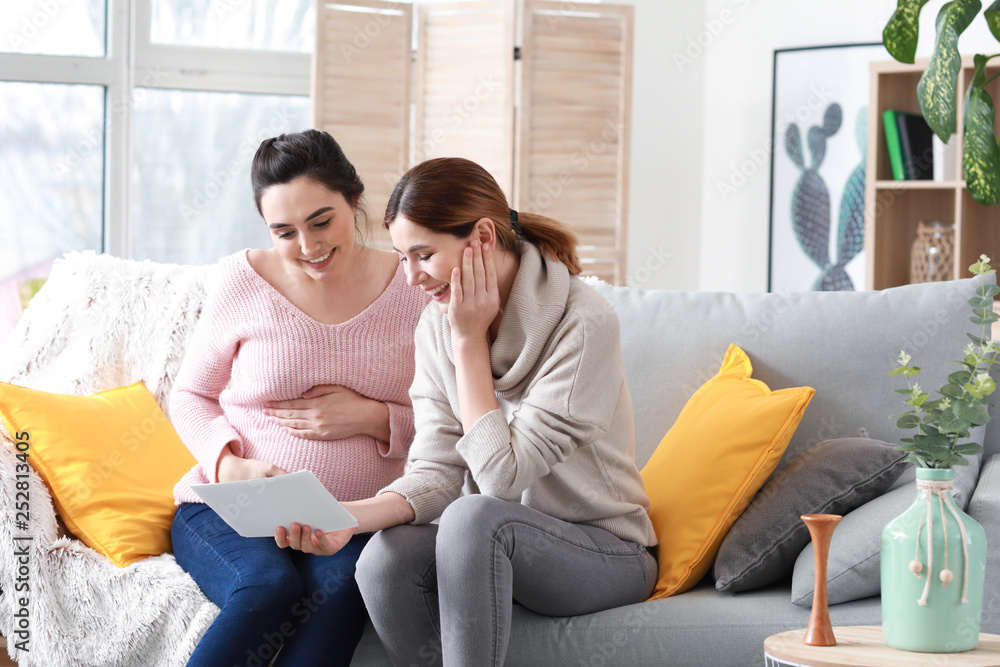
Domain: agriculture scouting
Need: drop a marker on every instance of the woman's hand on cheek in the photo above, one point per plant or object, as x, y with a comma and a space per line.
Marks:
475, 299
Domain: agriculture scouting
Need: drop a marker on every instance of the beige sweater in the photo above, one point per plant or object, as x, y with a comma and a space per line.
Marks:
562, 441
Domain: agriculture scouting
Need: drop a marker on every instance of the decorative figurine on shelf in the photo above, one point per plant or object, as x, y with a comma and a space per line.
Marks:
932, 255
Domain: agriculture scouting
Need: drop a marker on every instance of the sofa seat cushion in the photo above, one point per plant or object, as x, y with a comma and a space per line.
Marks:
700, 628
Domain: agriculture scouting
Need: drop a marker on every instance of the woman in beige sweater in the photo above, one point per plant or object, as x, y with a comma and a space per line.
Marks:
519, 396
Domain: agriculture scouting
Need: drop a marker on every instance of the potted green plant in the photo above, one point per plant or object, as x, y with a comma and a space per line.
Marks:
936, 89
933, 542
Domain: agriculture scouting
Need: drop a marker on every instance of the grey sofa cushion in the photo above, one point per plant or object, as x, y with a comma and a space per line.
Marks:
853, 565
699, 628
833, 477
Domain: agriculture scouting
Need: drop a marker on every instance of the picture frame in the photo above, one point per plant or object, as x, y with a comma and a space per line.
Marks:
819, 124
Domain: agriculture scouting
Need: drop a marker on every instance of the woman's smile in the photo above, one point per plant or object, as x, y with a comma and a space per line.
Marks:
440, 292
320, 262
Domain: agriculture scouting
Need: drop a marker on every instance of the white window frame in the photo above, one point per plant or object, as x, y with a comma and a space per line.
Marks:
133, 63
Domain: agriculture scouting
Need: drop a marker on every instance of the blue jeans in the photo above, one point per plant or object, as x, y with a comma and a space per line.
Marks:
269, 597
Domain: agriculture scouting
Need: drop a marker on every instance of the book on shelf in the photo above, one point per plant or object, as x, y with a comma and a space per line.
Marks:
892, 144
916, 146
915, 152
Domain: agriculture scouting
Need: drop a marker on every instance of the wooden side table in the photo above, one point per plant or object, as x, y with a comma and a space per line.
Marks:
863, 646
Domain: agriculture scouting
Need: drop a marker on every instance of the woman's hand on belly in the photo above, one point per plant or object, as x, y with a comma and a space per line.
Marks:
233, 468
331, 412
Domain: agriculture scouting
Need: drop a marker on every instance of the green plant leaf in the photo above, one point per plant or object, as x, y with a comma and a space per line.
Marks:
992, 15
936, 90
932, 440
908, 421
952, 391
969, 448
982, 268
980, 155
949, 423
980, 302
898, 370
987, 315
989, 290
901, 32
978, 340
973, 412
960, 377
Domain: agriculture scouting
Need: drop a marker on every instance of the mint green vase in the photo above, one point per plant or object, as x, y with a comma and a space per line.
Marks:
940, 614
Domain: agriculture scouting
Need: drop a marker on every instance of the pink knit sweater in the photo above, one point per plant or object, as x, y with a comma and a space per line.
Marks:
252, 346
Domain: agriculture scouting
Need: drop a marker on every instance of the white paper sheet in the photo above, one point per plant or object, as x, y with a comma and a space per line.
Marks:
256, 507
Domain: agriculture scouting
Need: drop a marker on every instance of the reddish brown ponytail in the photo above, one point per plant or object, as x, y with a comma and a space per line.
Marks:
449, 195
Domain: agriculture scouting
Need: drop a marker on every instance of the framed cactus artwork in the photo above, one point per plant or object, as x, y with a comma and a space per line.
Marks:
818, 153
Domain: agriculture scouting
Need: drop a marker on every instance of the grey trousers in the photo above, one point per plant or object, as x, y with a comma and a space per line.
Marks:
442, 594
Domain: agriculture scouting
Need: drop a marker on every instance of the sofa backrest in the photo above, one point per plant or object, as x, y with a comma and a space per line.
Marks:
843, 344
101, 322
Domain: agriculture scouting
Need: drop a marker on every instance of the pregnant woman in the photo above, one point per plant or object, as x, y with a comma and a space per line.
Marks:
326, 323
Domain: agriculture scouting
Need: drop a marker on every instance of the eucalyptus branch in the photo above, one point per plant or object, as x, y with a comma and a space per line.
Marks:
942, 422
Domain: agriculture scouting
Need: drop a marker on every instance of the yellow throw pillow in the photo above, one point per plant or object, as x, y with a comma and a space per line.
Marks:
110, 461
725, 443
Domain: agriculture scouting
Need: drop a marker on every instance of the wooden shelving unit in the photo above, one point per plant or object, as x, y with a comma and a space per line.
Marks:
893, 209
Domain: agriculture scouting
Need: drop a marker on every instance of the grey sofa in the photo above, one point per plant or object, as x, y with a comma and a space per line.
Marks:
842, 344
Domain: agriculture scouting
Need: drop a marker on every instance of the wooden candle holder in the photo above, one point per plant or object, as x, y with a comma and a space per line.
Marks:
820, 630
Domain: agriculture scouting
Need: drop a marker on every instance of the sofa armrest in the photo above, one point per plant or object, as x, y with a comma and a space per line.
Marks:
985, 508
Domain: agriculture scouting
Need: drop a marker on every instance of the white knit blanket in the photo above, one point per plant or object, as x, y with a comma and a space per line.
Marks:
99, 322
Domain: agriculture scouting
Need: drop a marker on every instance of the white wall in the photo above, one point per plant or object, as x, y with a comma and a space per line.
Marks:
667, 137
733, 245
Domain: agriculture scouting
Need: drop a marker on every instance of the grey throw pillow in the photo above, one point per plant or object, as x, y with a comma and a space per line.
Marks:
854, 564
833, 477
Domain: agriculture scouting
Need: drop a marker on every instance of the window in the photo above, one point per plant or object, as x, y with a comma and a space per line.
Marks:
234, 24
191, 194
141, 152
54, 27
